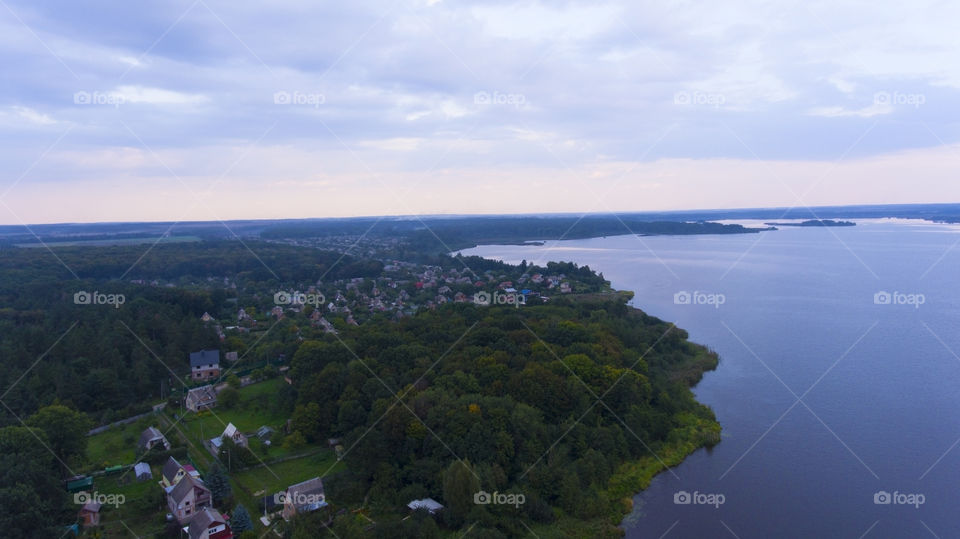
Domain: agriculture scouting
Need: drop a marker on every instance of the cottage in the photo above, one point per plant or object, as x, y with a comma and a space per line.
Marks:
205, 364
90, 514
171, 473
429, 504
151, 438
232, 433
187, 498
201, 398
303, 498
209, 523
141, 471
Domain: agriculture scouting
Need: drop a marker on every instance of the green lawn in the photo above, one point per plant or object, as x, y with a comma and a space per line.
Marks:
117, 445
276, 477
144, 510
143, 506
251, 413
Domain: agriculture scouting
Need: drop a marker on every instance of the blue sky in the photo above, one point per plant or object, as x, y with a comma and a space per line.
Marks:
206, 109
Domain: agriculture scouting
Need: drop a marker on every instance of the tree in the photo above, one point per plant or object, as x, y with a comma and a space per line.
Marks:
240, 521
31, 494
219, 484
460, 484
228, 398
308, 421
233, 381
66, 430
294, 441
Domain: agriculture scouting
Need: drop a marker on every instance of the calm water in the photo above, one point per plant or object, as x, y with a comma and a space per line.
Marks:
879, 385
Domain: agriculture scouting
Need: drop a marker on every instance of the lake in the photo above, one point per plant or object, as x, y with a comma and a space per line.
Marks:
839, 381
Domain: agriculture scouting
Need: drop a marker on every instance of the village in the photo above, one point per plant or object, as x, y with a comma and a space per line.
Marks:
211, 470
219, 457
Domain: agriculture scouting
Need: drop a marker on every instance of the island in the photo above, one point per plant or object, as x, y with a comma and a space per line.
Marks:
816, 223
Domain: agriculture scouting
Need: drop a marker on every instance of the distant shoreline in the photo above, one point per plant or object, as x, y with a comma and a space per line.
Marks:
815, 223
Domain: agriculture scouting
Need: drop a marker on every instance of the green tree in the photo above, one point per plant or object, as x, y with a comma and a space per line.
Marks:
228, 398
219, 484
240, 520
308, 421
460, 484
294, 441
66, 430
31, 495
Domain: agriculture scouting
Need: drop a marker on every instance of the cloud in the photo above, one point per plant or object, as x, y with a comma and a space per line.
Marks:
840, 112
30, 116
157, 96
570, 85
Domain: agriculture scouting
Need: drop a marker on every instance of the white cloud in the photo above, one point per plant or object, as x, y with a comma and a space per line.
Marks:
32, 116
876, 109
158, 96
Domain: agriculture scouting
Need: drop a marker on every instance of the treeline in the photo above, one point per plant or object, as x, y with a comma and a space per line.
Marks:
251, 260
445, 234
483, 395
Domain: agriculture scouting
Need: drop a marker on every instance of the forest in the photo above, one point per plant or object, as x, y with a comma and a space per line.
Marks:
548, 402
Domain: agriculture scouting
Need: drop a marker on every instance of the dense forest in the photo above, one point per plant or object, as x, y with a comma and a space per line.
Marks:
465, 399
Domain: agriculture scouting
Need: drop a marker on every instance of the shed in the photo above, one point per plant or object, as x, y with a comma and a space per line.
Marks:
142, 471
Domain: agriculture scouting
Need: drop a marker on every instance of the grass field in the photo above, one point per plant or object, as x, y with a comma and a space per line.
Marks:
252, 412
144, 509
141, 508
117, 445
278, 476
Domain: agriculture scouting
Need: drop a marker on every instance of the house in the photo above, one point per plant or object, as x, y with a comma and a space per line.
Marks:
431, 505
206, 317
209, 524
171, 473
303, 497
205, 364
234, 434
151, 438
142, 471
201, 398
232, 356
89, 514
565, 287
187, 498
264, 433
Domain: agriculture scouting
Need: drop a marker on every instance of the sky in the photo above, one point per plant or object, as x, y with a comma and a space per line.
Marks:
216, 110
